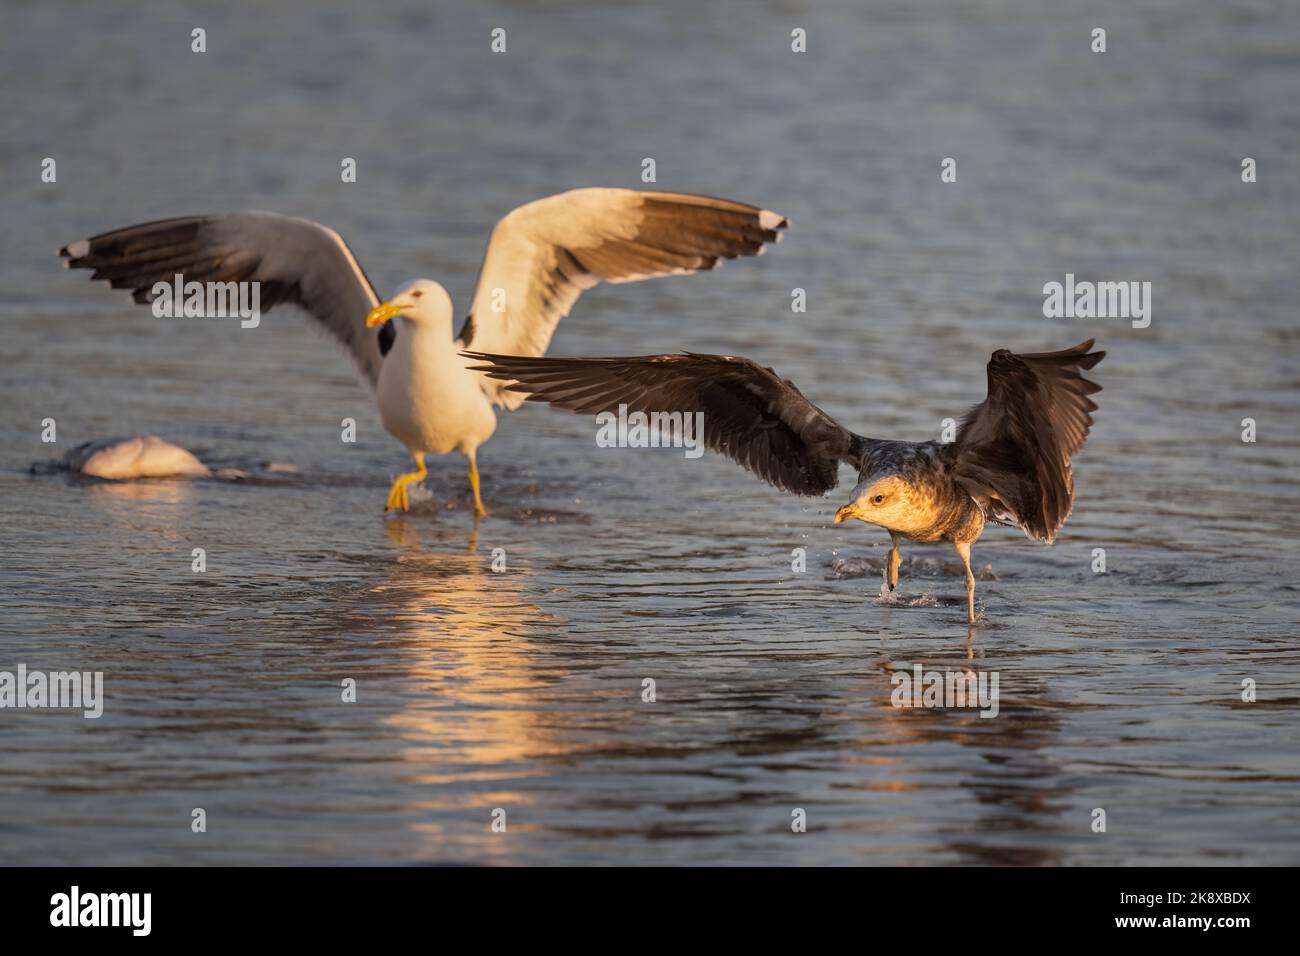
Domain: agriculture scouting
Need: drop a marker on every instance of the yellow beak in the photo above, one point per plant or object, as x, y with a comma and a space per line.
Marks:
847, 512
382, 313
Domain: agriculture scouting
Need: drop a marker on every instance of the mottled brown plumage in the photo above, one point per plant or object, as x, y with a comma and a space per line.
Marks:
1010, 462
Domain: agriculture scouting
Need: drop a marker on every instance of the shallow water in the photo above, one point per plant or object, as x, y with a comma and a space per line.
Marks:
521, 690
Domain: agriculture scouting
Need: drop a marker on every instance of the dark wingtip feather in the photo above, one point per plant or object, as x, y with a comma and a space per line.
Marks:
489, 367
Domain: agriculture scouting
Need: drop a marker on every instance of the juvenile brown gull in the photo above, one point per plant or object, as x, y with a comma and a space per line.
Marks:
1009, 464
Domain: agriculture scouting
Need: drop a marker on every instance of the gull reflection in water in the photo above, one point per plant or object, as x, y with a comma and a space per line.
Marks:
1016, 816
474, 726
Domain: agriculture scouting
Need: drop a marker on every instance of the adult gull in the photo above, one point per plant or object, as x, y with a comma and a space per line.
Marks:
539, 259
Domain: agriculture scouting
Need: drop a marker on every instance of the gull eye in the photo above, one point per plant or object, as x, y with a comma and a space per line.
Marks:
417, 293
879, 499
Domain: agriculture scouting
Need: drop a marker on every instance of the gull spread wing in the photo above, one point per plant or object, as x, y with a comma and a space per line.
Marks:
544, 254
293, 260
1013, 451
751, 415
